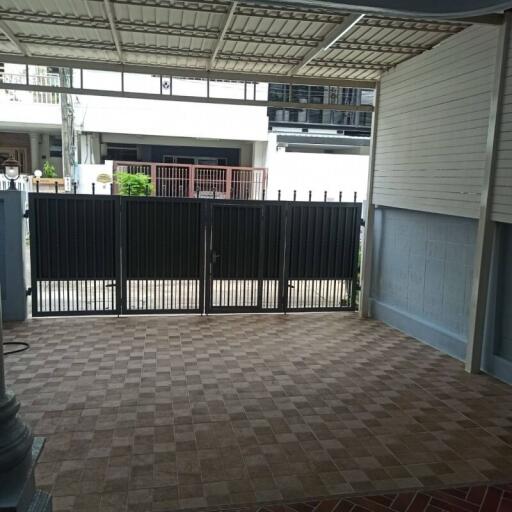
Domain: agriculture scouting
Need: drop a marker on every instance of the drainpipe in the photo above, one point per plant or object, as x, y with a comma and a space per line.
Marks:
19, 452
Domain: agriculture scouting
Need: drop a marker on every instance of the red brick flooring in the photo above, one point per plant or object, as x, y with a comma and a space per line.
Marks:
496, 498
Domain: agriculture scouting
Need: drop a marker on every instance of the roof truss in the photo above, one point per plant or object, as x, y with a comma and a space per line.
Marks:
335, 35
113, 29
225, 26
11, 36
241, 37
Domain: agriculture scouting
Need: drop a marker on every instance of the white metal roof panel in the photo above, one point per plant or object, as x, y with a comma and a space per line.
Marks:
260, 38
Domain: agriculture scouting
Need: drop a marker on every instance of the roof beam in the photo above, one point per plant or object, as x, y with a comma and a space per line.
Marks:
332, 37
196, 99
201, 54
225, 27
113, 29
185, 72
14, 39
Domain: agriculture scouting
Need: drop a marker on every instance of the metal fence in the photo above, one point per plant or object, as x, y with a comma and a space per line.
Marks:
131, 254
184, 180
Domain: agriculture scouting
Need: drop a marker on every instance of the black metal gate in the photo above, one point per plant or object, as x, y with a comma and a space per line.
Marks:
74, 253
127, 255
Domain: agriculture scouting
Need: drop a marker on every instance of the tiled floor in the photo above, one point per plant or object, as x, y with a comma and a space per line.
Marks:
162, 413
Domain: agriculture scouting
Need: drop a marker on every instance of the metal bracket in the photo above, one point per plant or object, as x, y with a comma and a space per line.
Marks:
29, 291
26, 214
362, 223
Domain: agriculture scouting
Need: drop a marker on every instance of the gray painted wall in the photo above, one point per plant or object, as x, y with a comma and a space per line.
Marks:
497, 358
12, 245
504, 303
422, 275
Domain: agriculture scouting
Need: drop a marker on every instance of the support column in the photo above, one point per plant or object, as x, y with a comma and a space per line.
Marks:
486, 228
366, 266
35, 160
19, 450
12, 255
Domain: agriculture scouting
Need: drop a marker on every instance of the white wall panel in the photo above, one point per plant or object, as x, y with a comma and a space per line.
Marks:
433, 123
502, 196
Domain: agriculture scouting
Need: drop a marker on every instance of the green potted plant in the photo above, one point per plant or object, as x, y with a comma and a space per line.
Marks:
49, 170
48, 177
138, 184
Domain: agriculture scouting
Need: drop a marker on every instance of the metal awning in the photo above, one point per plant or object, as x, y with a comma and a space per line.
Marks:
280, 42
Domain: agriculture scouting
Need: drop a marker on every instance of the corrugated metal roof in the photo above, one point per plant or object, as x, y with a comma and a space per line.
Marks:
260, 38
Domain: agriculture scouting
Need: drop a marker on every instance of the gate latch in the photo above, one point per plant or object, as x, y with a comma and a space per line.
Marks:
29, 291
26, 214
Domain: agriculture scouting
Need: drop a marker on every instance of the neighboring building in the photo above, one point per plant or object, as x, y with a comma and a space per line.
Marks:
171, 132
356, 124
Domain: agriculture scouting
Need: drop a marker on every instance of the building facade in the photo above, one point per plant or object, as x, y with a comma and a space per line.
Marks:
187, 133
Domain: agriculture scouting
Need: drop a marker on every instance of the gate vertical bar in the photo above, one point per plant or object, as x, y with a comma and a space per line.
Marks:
120, 226
285, 237
355, 249
34, 245
154, 191
229, 178
202, 257
207, 255
261, 256
191, 180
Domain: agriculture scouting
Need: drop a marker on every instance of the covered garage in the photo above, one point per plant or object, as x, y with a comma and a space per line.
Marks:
217, 412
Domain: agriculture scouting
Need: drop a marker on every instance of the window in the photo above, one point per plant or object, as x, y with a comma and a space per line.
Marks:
122, 152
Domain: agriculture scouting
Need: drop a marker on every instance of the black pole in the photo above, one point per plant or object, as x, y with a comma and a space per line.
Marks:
325, 196
93, 188
279, 195
263, 195
310, 195
294, 195
341, 195
56, 187
355, 197
74, 187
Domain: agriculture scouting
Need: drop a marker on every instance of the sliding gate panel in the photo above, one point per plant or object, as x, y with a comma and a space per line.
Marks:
163, 250
74, 254
322, 256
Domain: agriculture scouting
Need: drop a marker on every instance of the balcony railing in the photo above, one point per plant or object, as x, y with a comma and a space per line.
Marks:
215, 181
51, 98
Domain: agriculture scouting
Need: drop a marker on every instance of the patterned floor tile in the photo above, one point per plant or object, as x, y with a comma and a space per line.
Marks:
166, 413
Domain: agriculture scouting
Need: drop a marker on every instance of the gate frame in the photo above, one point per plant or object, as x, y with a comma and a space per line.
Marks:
205, 277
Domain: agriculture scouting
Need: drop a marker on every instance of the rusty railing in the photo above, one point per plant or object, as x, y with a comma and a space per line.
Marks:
215, 181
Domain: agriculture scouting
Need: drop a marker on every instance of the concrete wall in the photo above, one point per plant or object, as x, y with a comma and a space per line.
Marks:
317, 172
422, 275
12, 249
